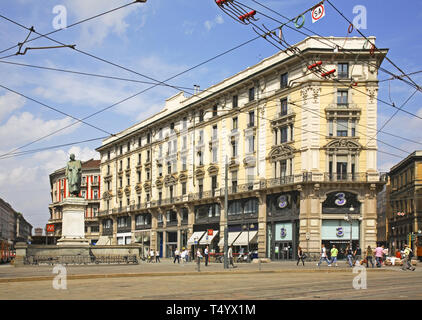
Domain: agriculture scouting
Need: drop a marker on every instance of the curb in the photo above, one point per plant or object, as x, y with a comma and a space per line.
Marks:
167, 274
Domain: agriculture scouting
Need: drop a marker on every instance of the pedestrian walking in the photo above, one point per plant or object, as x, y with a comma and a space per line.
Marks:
206, 255
323, 256
384, 254
349, 255
334, 254
157, 256
183, 255
357, 255
230, 256
198, 255
300, 256
369, 256
176, 256
379, 252
151, 256
407, 261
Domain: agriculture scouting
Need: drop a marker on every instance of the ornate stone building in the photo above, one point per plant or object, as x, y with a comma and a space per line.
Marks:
90, 191
299, 152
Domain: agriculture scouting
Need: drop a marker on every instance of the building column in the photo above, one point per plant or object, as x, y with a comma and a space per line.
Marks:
114, 240
368, 225
153, 238
164, 244
132, 227
100, 225
179, 225
310, 220
222, 223
262, 225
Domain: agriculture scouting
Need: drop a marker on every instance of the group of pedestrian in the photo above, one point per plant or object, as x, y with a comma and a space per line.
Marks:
153, 256
352, 256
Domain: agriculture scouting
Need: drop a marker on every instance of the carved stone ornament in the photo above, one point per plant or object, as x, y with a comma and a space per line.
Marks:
343, 144
372, 93
213, 170
281, 153
199, 173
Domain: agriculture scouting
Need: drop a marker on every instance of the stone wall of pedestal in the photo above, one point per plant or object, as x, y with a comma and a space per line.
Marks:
73, 223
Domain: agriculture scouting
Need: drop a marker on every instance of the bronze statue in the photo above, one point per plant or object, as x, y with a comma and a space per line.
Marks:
74, 175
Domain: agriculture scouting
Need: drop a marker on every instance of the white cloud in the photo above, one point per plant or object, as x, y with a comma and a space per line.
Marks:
26, 127
10, 102
209, 24
95, 31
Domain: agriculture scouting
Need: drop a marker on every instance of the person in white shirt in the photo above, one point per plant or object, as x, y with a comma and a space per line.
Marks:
176, 256
206, 255
151, 256
183, 255
323, 256
230, 256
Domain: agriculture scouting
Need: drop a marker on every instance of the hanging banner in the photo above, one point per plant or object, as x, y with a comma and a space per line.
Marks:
318, 12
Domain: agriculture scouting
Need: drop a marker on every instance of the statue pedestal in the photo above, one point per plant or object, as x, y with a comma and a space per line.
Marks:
73, 223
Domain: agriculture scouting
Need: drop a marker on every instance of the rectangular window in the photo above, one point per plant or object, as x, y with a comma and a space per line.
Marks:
235, 101
214, 132
139, 142
252, 94
172, 126
342, 127
185, 122
201, 158
234, 148
183, 188
128, 163
95, 194
139, 176
235, 123
120, 182
330, 128
284, 80
128, 181
250, 175
128, 146
108, 155
148, 156
214, 154
185, 143
201, 115
214, 111
148, 138
184, 164
139, 158
160, 134
343, 70
148, 175
251, 143
251, 119
342, 97
283, 104
234, 181
353, 128
160, 171
160, 151
168, 167
201, 136
284, 134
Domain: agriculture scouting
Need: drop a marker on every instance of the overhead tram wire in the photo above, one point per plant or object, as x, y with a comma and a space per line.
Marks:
67, 27
196, 66
344, 50
336, 80
49, 148
388, 59
54, 109
393, 115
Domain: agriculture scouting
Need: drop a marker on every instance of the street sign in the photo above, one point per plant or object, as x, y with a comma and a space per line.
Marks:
318, 12
50, 227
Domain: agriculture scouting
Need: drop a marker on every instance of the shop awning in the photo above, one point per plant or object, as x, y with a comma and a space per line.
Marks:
232, 237
208, 239
242, 240
195, 236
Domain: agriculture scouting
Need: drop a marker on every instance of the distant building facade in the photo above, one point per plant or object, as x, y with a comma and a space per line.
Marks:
406, 200
13, 226
90, 191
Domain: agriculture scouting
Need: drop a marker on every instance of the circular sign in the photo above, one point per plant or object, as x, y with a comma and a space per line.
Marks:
318, 12
339, 232
282, 202
283, 232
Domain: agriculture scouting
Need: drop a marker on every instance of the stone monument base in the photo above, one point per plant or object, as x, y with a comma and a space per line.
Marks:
73, 223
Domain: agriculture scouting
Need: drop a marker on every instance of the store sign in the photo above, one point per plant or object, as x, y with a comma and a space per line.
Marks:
339, 232
340, 199
50, 227
283, 233
282, 202
210, 232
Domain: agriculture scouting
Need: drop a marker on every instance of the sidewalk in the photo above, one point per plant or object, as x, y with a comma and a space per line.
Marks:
166, 268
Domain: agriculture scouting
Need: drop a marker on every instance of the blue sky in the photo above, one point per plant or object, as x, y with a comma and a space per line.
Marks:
160, 38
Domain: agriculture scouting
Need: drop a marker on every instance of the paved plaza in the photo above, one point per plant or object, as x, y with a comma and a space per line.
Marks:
161, 281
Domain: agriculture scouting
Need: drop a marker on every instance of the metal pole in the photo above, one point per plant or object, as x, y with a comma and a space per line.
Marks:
226, 207
248, 245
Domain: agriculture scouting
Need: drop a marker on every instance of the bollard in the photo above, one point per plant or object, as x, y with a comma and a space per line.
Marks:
199, 264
